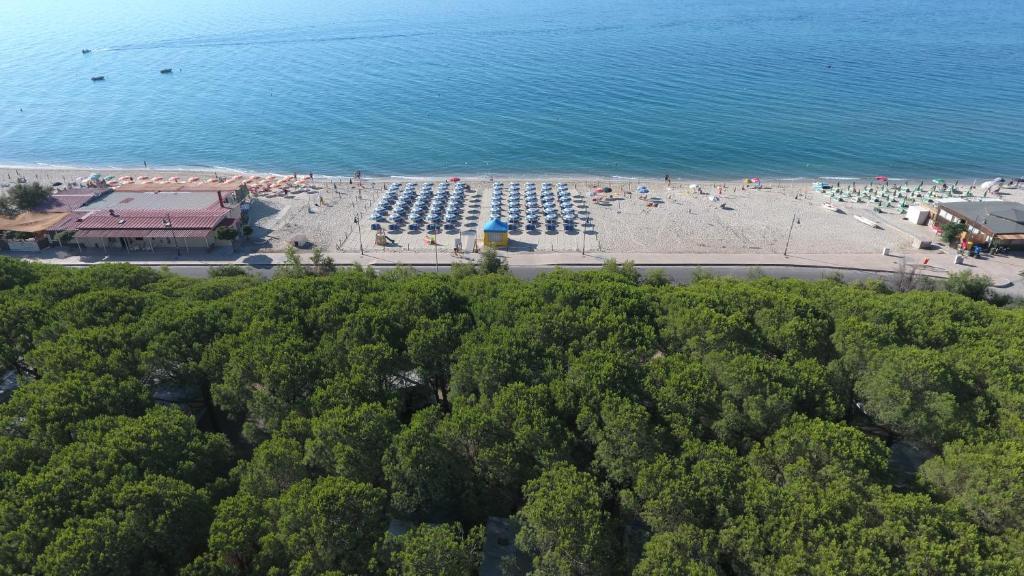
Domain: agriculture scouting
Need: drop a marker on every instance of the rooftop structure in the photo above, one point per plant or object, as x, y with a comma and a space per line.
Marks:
987, 221
120, 200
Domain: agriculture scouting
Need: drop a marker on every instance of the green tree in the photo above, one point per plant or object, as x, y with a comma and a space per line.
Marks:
240, 523
441, 550
352, 441
227, 271
974, 286
820, 449
27, 196
275, 466
917, 393
951, 232
698, 487
327, 524
985, 481
427, 478
623, 437
490, 262
686, 550
563, 524
226, 233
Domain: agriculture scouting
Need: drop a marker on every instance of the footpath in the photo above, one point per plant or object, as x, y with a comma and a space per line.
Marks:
935, 263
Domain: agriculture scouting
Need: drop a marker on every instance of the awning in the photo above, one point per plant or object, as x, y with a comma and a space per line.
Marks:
31, 222
143, 233
1009, 236
178, 233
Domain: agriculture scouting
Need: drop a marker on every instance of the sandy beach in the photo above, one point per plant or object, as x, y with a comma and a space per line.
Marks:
684, 216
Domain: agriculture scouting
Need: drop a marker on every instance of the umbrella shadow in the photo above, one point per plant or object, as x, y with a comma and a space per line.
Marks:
519, 246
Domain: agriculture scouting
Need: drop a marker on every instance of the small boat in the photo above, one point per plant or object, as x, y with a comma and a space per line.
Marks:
830, 206
98, 78
866, 221
166, 71
86, 50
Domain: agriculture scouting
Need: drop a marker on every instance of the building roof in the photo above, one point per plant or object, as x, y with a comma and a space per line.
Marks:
997, 217
70, 200
31, 222
142, 223
119, 200
154, 219
495, 225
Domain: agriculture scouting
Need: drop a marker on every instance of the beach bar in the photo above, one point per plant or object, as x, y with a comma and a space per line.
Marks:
986, 221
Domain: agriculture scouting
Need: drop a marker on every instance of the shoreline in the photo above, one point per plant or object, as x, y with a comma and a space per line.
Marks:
552, 176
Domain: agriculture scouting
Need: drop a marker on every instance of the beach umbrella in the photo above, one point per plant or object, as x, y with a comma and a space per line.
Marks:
607, 190
989, 184
938, 181
455, 179
693, 186
755, 180
194, 179
882, 178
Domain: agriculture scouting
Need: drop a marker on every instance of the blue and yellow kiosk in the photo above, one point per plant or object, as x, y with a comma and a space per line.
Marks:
495, 233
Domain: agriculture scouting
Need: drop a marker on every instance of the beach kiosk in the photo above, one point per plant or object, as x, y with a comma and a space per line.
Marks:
495, 233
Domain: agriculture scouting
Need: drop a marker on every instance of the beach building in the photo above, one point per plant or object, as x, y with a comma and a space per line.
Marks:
495, 233
182, 217
986, 221
29, 231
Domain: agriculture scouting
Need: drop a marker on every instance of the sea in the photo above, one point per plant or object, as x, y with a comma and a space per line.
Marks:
691, 88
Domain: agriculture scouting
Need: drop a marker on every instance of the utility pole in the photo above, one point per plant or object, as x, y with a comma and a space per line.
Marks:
359, 232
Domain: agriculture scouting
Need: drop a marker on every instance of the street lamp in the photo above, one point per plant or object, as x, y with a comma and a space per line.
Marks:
785, 251
359, 232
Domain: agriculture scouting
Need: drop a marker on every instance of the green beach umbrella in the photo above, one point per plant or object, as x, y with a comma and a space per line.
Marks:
938, 181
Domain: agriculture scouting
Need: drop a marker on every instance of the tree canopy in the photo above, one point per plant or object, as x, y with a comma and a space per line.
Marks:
341, 421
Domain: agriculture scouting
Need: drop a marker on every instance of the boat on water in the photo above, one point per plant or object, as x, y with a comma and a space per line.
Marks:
86, 50
866, 221
166, 71
98, 78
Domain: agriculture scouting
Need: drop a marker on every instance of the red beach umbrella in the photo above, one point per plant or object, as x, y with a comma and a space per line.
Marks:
455, 179
882, 178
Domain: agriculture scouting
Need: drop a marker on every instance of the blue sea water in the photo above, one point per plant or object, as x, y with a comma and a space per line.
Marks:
695, 88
